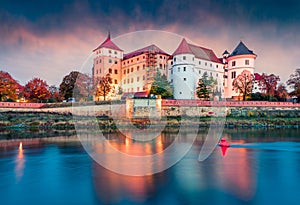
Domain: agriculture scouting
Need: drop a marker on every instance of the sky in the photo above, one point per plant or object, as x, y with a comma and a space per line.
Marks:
49, 39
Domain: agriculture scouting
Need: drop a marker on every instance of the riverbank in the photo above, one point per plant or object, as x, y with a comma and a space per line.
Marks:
38, 120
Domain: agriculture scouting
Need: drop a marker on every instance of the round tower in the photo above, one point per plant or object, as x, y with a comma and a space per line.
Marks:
239, 60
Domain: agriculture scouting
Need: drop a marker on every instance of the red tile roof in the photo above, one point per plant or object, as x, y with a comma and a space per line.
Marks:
198, 51
145, 50
108, 44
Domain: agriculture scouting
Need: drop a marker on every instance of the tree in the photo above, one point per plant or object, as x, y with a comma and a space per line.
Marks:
103, 86
243, 83
201, 90
8, 87
206, 87
76, 85
268, 84
67, 85
36, 90
161, 86
281, 93
54, 94
294, 83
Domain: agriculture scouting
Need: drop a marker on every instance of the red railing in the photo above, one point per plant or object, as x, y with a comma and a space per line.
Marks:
228, 103
20, 105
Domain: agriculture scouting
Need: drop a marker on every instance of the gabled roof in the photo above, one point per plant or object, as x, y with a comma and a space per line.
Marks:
108, 44
183, 48
144, 50
198, 51
241, 49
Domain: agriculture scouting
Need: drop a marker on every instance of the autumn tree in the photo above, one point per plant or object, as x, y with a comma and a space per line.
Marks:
294, 83
8, 87
161, 86
281, 93
268, 84
36, 90
243, 83
103, 86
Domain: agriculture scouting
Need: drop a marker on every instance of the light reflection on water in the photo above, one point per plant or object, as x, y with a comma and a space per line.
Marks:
258, 168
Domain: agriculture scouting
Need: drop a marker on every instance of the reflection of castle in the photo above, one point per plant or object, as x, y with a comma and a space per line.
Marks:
134, 72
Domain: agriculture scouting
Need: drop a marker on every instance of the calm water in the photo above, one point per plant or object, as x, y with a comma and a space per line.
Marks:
261, 167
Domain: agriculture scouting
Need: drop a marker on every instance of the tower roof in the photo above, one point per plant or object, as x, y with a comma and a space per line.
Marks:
226, 53
144, 50
108, 44
241, 49
183, 48
198, 51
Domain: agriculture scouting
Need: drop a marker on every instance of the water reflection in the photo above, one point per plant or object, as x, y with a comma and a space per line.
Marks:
19, 163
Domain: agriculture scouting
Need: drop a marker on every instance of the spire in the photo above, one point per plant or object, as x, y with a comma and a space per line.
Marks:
108, 44
241, 49
183, 48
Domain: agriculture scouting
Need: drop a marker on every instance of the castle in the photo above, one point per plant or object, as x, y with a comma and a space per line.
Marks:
134, 72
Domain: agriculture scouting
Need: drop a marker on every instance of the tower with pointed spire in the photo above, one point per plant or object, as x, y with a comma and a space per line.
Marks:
239, 60
107, 60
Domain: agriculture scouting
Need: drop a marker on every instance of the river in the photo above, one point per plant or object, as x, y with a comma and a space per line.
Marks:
261, 166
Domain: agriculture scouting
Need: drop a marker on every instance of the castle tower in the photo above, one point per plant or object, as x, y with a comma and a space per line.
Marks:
189, 63
239, 60
107, 60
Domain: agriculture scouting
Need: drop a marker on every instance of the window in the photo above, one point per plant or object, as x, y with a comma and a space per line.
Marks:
171, 80
233, 75
116, 81
131, 61
124, 81
171, 71
193, 59
131, 69
127, 62
184, 68
96, 61
184, 57
211, 74
138, 89
124, 72
217, 75
116, 71
174, 59
131, 80
137, 59
199, 71
184, 79
143, 57
233, 63
178, 69
124, 63
110, 71
144, 77
144, 66
180, 93
246, 62
205, 64
109, 60
116, 52
137, 68
217, 66
109, 51
127, 81
160, 66
116, 62
160, 57
137, 79
210, 65
128, 70
199, 62
96, 71
171, 62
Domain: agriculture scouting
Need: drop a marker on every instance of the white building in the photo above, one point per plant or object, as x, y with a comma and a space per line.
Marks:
189, 63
